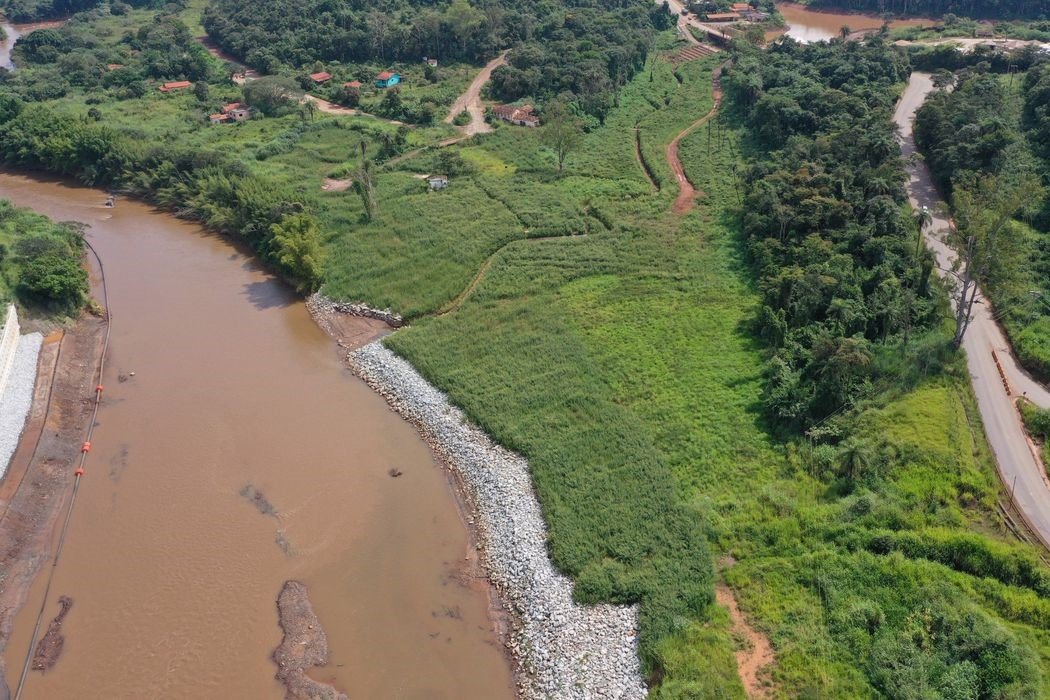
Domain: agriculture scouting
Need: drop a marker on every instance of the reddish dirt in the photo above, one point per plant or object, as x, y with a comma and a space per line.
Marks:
470, 101
41, 475
758, 653
304, 646
686, 192
49, 648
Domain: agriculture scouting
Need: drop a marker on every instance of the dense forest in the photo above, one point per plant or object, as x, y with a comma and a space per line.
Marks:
836, 259
588, 50
982, 132
981, 9
56, 61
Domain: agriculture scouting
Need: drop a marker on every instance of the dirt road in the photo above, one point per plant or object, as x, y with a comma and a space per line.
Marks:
686, 193
471, 100
1021, 472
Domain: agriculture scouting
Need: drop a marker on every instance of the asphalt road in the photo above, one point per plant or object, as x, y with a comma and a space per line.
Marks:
1020, 469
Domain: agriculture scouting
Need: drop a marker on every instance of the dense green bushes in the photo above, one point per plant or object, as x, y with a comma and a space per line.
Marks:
40, 262
589, 51
823, 219
203, 185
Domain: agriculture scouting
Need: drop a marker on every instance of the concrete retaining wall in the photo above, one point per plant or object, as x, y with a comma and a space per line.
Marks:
8, 345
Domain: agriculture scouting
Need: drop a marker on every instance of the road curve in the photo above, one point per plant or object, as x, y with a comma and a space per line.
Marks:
471, 100
1020, 469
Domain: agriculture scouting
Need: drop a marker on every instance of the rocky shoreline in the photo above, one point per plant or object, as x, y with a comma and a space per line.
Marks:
561, 649
321, 306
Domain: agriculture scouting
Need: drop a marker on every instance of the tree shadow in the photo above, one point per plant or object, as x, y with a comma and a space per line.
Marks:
269, 294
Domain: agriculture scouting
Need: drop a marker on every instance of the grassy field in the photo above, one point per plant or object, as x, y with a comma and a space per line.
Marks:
626, 357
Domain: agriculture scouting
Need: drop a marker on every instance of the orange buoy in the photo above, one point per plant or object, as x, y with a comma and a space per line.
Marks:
99, 388
86, 447
79, 471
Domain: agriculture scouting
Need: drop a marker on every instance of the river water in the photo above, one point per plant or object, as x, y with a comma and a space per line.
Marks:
807, 25
173, 572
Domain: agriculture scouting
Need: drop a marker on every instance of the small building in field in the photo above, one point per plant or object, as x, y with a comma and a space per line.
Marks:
520, 116
237, 111
432, 62
177, 85
353, 86
387, 79
218, 118
320, 78
437, 182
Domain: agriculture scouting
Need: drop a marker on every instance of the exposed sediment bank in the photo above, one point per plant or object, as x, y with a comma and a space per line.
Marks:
561, 649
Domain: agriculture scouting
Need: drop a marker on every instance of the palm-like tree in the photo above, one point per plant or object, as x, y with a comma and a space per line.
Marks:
855, 457
923, 220
845, 31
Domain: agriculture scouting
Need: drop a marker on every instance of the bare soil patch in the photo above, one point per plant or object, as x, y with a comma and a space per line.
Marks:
758, 652
330, 184
304, 646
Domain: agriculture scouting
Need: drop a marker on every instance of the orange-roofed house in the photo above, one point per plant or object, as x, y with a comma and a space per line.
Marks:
741, 7
177, 85
387, 79
353, 85
321, 77
218, 118
522, 116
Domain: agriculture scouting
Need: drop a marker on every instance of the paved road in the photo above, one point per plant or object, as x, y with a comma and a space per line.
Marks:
1019, 467
471, 100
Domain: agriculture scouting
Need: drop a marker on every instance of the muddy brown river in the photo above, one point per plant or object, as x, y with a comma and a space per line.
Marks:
806, 25
173, 572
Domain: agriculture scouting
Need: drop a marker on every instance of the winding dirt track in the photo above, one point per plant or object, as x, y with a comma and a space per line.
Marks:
686, 192
470, 101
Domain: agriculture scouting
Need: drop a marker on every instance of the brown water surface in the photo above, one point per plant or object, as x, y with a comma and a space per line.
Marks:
806, 25
174, 574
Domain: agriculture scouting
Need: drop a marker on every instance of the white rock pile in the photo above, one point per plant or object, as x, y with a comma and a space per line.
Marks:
562, 650
319, 304
18, 396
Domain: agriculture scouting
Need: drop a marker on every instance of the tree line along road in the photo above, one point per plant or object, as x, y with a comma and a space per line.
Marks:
987, 350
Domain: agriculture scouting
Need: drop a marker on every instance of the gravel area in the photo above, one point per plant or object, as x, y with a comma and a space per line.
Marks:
562, 650
18, 396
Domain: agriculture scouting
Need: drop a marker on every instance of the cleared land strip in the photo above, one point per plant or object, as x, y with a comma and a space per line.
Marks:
470, 101
686, 192
1022, 472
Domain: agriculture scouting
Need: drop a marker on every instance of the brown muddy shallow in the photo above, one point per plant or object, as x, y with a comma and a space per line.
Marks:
807, 25
175, 572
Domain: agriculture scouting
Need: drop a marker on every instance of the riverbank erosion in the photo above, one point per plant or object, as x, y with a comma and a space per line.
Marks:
39, 479
561, 649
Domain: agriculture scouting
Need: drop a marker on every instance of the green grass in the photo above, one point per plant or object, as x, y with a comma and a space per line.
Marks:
627, 357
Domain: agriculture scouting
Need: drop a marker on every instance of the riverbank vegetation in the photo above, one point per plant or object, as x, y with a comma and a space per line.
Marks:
760, 390
40, 262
